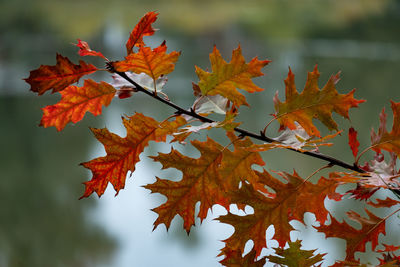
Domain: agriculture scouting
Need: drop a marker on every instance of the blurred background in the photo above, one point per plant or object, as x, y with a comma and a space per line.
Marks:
42, 222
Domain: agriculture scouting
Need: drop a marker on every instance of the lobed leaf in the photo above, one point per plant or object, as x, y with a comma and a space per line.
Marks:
226, 77
84, 50
123, 153
208, 179
313, 103
389, 141
294, 256
154, 63
370, 230
75, 102
143, 28
58, 77
291, 201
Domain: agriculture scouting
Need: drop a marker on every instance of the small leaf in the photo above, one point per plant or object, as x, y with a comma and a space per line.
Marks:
154, 63
226, 77
58, 77
75, 102
84, 50
313, 103
294, 256
353, 142
143, 28
385, 140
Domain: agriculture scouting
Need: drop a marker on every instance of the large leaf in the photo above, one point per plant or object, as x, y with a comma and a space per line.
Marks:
226, 77
143, 28
356, 239
154, 62
208, 179
290, 202
313, 103
389, 141
75, 102
58, 77
123, 153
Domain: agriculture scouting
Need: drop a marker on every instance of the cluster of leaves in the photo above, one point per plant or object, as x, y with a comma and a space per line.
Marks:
227, 176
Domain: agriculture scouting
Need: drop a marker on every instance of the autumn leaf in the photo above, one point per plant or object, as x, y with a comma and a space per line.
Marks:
226, 77
297, 139
294, 256
389, 141
143, 28
386, 203
313, 103
58, 77
75, 102
84, 50
356, 239
235, 259
353, 142
154, 63
291, 201
123, 153
207, 179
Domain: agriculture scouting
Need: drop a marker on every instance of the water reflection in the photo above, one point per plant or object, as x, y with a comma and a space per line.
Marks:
42, 223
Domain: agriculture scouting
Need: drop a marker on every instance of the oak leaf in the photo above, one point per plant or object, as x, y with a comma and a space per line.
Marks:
154, 63
84, 50
389, 141
313, 103
356, 239
290, 202
234, 259
226, 77
143, 28
353, 142
294, 256
207, 179
58, 77
123, 153
75, 102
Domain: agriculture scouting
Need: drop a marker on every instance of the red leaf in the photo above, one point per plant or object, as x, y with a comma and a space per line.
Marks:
123, 153
389, 141
143, 28
353, 142
75, 102
84, 50
292, 200
58, 77
387, 203
356, 239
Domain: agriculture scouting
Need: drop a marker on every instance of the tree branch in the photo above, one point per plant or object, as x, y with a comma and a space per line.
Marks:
261, 136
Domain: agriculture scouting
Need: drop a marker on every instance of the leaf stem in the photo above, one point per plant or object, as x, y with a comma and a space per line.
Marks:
261, 136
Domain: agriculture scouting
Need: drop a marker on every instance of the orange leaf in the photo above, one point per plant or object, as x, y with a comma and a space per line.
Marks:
154, 62
123, 153
75, 102
356, 239
226, 77
84, 50
291, 201
313, 103
207, 179
143, 28
385, 140
58, 77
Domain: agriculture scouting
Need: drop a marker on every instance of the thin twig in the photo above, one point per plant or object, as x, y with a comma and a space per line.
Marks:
261, 136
